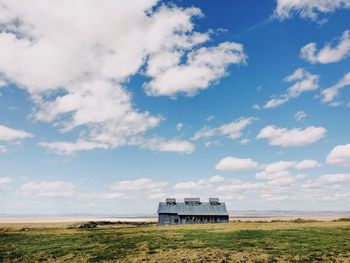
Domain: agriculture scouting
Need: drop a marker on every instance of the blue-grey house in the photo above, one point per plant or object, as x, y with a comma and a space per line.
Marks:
192, 211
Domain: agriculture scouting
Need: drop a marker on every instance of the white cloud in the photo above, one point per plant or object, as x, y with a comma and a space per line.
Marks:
235, 164
300, 115
279, 166
216, 179
240, 186
244, 141
210, 118
303, 81
327, 54
187, 186
211, 143
67, 148
264, 175
179, 126
329, 94
204, 133
110, 196
2, 83
10, 134
153, 144
280, 169
232, 130
90, 51
332, 190
278, 174
256, 107
200, 184
273, 103
138, 184
340, 155
307, 164
335, 178
3, 149
5, 181
310, 9
203, 67
48, 189
291, 137
282, 181
162, 145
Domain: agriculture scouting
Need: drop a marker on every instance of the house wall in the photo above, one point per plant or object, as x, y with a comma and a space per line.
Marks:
174, 219
189, 219
168, 219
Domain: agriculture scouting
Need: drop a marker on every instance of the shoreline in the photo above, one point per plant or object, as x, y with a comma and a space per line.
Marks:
153, 219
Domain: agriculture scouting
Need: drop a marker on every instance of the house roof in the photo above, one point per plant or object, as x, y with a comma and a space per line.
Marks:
204, 208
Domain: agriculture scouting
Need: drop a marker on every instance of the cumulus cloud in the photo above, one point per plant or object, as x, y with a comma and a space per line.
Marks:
9, 134
140, 188
188, 186
75, 61
265, 175
203, 67
3, 149
67, 148
303, 80
204, 133
337, 181
308, 9
143, 193
200, 184
216, 179
48, 189
279, 172
138, 184
335, 178
294, 137
239, 186
232, 164
300, 115
327, 54
339, 156
279, 166
153, 144
307, 164
5, 181
179, 126
232, 130
162, 145
110, 196
244, 141
2, 83
329, 94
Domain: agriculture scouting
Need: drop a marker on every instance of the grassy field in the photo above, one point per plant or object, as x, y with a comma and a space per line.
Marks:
234, 242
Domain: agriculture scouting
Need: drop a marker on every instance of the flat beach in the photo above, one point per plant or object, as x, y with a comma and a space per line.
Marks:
58, 220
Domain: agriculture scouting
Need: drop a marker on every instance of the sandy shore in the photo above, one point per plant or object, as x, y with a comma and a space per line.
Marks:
7, 220
233, 217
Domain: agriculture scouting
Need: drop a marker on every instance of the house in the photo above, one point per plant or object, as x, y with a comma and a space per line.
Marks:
192, 211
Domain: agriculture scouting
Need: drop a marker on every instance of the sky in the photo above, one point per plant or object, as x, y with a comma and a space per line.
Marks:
110, 106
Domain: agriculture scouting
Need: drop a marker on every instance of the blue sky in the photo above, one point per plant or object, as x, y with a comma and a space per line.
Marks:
110, 107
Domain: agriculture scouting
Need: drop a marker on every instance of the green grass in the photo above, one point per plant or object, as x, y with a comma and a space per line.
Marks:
237, 242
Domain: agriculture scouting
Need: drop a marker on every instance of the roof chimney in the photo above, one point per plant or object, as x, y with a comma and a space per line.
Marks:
192, 201
170, 201
214, 201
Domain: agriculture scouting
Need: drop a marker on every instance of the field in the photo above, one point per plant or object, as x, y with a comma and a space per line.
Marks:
293, 241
